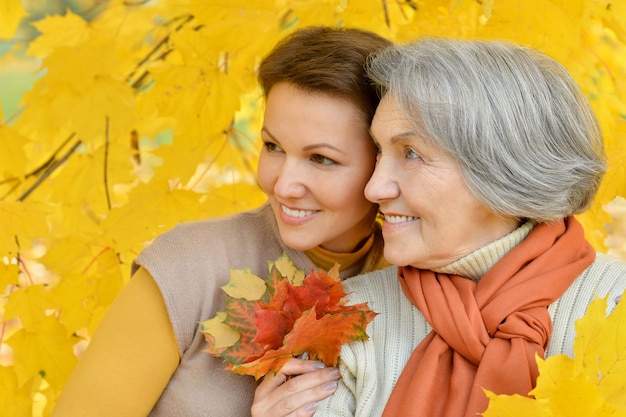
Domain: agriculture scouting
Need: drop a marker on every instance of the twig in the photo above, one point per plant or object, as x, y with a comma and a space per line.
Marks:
49, 171
43, 166
156, 47
387, 20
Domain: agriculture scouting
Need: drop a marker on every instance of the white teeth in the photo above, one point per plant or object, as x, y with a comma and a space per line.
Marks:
296, 213
399, 219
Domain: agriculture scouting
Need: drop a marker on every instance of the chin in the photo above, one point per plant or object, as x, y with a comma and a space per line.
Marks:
298, 244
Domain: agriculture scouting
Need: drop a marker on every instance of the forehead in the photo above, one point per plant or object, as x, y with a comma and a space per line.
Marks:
389, 120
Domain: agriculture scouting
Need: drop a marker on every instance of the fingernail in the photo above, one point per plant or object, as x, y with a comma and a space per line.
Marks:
318, 365
330, 386
334, 372
310, 406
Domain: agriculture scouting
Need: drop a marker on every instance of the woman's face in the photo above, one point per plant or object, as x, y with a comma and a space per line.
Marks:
317, 157
431, 217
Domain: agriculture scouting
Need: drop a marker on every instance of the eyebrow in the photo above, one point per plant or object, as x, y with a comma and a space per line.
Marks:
402, 136
395, 138
264, 129
322, 145
308, 147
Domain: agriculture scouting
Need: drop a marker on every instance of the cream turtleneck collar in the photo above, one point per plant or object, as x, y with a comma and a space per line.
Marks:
477, 263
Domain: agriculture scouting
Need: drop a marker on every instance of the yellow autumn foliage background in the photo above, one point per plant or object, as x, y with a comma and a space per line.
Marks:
121, 118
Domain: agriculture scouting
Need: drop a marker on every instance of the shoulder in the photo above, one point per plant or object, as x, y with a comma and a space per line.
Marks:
224, 240
605, 277
374, 287
190, 233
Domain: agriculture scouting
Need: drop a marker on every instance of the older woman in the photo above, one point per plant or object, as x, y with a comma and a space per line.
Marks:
486, 151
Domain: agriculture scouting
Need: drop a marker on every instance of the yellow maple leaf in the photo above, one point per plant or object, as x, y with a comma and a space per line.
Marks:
244, 284
558, 368
515, 406
288, 269
12, 155
86, 91
600, 349
222, 334
29, 304
8, 275
45, 350
11, 14
14, 399
151, 209
21, 222
578, 396
56, 31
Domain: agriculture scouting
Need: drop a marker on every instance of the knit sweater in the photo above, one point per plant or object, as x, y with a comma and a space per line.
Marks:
370, 368
189, 264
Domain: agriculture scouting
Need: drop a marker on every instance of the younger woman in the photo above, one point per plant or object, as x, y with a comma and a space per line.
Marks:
147, 357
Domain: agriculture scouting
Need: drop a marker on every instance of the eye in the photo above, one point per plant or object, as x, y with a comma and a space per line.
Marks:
410, 154
321, 159
271, 147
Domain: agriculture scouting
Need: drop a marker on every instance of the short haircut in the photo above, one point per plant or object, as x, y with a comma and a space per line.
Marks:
325, 60
524, 136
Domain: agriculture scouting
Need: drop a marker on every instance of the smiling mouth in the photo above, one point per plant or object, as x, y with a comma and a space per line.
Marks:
399, 219
296, 213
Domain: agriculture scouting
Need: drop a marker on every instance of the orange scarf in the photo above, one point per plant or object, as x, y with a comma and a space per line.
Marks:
486, 334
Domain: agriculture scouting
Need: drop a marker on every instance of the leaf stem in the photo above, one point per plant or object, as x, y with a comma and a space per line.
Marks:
95, 258
21, 263
106, 162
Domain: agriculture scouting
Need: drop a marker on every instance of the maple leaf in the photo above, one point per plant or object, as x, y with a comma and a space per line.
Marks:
323, 336
244, 284
56, 30
219, 335
11, 14
43, 349
286, 268
285, 321
321, 290
13, 396
19, 222
12, 155
29, 304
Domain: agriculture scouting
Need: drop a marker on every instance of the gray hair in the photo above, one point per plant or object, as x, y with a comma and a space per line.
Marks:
522, 132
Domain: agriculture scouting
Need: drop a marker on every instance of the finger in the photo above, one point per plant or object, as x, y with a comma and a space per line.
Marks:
292, 367
269, 383
299, 395
301, 366
309, 381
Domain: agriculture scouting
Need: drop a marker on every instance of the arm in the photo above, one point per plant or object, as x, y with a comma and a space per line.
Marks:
284, 394
130, 359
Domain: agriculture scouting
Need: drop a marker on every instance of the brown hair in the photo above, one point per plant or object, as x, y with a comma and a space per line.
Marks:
325, 60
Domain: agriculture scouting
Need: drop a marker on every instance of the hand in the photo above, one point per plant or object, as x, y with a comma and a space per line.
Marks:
295, 390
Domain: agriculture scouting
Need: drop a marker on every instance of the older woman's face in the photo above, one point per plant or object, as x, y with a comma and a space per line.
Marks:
431, 217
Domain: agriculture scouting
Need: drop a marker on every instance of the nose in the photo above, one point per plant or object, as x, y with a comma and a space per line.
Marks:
382, 185
290, 181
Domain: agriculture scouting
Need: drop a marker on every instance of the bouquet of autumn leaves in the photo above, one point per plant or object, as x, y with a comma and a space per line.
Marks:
267, 322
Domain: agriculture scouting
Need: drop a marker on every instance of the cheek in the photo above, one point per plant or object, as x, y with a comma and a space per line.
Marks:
352, 194
266, 174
